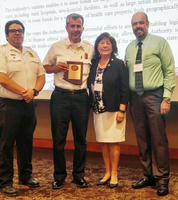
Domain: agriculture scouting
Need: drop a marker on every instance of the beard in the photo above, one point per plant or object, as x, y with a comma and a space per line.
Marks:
139, 34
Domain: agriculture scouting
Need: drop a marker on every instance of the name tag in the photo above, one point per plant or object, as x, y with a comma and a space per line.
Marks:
138, 67
98, 87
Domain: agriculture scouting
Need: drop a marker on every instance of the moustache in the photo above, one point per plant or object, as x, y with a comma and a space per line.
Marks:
76, 32
139, 29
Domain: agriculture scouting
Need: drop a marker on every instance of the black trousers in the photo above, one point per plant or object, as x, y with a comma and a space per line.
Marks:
17, 123
150, 131
66, 107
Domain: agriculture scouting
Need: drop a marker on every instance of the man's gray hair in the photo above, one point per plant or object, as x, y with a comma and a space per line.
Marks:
74, 16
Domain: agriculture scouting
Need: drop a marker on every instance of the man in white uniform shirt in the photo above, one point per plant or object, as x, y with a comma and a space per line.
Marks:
22, 76
69, 101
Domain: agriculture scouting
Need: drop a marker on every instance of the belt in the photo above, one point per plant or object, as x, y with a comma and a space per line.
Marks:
67, 91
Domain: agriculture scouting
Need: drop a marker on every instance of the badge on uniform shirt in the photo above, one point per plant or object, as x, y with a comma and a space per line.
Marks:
30, 54
86, 56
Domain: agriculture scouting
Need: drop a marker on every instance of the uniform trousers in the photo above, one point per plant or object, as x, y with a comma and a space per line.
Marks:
151, 136
17, 123
66, 106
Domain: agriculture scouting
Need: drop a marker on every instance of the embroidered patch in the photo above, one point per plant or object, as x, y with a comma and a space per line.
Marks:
30, 54
86, 56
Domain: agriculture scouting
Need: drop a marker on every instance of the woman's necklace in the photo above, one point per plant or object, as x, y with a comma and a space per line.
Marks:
103, 63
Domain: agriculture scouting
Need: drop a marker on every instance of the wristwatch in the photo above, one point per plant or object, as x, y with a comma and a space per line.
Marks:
36, 92
167, 100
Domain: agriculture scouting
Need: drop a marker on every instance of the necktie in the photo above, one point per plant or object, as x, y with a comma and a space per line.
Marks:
138, 75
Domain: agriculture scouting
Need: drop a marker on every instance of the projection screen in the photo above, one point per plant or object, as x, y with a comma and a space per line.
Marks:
45, 23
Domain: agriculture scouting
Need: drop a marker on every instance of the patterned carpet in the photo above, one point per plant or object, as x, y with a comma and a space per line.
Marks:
43, 172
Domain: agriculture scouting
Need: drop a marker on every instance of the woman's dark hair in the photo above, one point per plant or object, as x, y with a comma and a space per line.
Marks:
111, 39
13, 22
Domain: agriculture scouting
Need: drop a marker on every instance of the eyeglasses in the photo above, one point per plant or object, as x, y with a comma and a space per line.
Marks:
20, 31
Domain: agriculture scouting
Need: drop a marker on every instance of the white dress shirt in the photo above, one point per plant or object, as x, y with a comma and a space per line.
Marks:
62, 51
23, 68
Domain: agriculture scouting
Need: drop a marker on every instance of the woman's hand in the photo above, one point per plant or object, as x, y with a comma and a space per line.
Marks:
120, 117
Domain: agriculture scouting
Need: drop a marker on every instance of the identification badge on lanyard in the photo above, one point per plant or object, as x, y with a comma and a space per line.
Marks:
138, 67
98, 87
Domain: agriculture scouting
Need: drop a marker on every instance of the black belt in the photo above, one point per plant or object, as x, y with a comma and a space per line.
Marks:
148, 91
67, 91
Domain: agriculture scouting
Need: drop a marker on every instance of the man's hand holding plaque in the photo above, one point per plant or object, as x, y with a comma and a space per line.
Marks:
74, 73
62, 67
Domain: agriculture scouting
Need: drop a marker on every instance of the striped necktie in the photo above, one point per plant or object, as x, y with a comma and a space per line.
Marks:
138, 75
